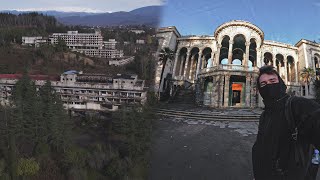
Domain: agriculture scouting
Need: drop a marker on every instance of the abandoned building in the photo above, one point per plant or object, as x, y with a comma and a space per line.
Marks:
221, 69
85, 91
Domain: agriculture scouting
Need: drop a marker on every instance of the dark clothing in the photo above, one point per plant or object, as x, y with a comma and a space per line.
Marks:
272, 153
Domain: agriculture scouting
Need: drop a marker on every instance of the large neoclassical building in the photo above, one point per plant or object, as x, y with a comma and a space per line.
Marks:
222, 68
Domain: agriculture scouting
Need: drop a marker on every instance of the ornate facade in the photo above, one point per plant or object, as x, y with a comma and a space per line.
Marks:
223, 68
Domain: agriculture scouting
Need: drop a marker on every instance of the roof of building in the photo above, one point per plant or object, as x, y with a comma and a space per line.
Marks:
33, 77
71, 72
124, 76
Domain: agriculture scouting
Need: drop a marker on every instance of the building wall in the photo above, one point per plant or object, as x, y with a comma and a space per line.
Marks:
107, 96
200, 57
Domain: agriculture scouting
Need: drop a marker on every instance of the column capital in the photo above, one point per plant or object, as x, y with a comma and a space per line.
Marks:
219, 46
247, 43
231, 42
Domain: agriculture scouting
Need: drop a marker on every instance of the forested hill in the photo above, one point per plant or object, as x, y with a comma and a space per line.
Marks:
13, 27
32, 19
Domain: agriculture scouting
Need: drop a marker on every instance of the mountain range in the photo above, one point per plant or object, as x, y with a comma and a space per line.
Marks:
149, 16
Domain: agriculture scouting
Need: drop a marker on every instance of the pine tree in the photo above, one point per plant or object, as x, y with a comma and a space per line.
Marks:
55, 118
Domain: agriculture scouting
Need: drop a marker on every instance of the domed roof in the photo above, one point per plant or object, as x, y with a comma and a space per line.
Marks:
239, 23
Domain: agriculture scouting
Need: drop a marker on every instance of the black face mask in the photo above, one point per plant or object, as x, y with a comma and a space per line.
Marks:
271, 92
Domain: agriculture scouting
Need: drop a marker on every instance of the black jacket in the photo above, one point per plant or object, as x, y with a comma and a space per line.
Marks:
272, 153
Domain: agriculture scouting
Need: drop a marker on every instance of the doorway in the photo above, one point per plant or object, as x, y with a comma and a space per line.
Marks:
237, 91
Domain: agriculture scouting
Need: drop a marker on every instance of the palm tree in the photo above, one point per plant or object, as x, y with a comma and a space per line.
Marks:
164, 54
307, 75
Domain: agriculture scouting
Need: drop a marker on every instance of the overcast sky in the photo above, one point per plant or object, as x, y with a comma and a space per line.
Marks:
77, 5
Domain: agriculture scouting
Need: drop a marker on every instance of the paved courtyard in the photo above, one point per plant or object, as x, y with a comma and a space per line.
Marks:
201, 150
186, 149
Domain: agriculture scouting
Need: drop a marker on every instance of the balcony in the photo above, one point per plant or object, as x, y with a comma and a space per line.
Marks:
229, 67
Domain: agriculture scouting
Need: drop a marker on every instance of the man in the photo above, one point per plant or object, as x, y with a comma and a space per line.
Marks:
273, 154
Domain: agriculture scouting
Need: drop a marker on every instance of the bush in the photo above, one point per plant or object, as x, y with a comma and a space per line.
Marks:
28, 167
75, 157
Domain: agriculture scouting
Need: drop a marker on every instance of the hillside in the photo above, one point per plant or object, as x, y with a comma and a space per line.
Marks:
149, 16
45, 61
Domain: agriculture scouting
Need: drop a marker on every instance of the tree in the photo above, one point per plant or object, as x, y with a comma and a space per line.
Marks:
164, 55
307, 75
55, 118
61, 46
26, 113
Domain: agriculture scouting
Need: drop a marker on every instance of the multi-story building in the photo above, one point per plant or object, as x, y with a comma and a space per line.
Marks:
90, 44
79, 41
222, 68
110, 44
33, 41
80, 91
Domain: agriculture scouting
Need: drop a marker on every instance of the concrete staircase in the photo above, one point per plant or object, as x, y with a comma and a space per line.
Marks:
211, 116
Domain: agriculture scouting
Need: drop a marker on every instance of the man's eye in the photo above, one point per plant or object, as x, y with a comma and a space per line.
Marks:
261, 85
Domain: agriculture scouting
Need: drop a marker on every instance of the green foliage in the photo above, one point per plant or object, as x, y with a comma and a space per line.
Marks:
307, 75
56, 122
28, 167
317, 89
117, 168
61, 46
136, 125
2, 167
75, 157
35, 124
165, 54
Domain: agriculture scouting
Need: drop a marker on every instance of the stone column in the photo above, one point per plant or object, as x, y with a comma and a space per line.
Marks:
289, 77
226, 90
214, 95
186, 65
313, 63
253, 92
285, 71
221, 81
274, 61
175, 65
198, 64
203, 61
248, 78
230, 52
192, 68
212, 59
181, 65
296, 71
217, 55
246, 61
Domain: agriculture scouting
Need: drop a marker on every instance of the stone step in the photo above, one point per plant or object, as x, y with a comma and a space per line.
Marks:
213, 116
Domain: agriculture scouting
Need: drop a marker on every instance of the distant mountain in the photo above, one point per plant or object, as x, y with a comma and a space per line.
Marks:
57, 14
149, 15
143, 16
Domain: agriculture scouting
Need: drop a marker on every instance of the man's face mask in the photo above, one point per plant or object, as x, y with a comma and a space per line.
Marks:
271, 91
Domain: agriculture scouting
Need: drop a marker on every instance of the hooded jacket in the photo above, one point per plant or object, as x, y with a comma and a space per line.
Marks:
272, 153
